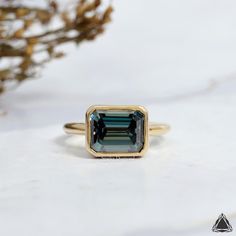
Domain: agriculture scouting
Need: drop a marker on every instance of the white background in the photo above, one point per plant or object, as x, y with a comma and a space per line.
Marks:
177, 58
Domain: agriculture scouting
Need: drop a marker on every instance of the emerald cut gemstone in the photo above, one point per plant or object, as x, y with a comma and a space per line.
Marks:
117, 131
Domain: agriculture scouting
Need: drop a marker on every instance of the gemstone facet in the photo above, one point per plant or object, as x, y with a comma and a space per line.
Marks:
117, 131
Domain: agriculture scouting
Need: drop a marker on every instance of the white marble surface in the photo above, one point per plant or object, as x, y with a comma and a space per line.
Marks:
186, 51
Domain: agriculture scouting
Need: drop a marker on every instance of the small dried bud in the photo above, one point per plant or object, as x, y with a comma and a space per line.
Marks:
1, 89
4, 74
27, 23
65, 18
2, 15
58, 54
32, 40
53, 5
29, 49
50, 50
107, 14
86, 7
19, 33
43, 16
25, 63
21, 12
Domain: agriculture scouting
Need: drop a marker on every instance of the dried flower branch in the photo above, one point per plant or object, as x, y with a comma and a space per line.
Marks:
22, 47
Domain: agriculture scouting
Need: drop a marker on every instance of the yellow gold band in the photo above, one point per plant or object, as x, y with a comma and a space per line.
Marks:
79, 128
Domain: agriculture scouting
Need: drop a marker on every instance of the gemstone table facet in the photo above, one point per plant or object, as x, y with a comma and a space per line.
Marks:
117, 131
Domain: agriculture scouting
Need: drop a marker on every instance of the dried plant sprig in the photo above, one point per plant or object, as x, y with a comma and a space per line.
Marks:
84, 22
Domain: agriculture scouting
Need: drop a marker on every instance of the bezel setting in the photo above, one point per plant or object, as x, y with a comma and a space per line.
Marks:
93, 108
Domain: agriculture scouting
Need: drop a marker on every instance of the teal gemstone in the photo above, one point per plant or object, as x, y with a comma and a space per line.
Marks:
117, 131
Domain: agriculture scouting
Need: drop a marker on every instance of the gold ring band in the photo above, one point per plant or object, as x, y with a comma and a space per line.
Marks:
80, 128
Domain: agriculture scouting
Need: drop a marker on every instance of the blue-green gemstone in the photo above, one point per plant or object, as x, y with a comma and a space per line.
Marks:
117, 131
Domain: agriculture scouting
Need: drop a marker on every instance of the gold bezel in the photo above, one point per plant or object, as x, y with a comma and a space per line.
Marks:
91, 109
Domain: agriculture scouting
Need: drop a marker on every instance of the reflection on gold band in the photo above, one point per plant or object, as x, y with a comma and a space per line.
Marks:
79, 128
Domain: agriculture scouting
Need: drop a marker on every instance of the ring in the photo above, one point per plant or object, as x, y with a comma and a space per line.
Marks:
116, 131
